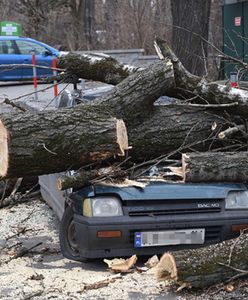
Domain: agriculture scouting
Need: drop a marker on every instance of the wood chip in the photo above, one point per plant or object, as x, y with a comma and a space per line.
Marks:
120, 265
152, 262
101, 283
229, 288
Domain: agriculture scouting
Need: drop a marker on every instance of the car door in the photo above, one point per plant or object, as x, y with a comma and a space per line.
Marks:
43, 58
9, 56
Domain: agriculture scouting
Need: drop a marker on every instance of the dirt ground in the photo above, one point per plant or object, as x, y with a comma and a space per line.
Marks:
43, 273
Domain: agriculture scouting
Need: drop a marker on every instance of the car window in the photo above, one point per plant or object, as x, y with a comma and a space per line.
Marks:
7, 47
26, 47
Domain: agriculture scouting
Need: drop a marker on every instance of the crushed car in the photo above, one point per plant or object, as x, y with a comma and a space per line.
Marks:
147, 218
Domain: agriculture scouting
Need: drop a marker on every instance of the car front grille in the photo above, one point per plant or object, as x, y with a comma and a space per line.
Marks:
164, 208
173, 212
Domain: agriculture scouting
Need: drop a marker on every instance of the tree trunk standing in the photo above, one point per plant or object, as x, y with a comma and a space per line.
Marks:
215, 38
204, 266
190, 23
34, 144
112, 24
89, 21
141, 10
215, 167
76, 13
163, 20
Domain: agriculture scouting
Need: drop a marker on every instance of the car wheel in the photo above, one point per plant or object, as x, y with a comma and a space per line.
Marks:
67, 236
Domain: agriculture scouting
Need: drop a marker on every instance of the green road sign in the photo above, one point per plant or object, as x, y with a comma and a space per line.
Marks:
10, 28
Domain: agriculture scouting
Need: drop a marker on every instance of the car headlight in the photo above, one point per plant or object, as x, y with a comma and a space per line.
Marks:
237, 200
102, 207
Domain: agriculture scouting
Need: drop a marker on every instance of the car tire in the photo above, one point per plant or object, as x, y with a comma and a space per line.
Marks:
68, 244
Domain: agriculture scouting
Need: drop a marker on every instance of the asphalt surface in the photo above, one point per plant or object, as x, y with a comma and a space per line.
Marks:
25, 93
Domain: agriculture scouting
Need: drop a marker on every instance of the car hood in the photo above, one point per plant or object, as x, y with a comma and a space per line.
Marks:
166, 191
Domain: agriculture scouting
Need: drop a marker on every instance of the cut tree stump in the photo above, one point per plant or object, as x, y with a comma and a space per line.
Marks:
215, 167
205, 266
50, 142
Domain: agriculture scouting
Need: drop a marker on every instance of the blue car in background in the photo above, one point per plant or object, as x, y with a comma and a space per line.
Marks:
18, 50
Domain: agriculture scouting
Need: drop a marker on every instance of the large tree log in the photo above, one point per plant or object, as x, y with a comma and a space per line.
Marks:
205, 266
189, 85
215, 167
132, 100
172, 129
164, 129
34, 144
69, 138
95, 67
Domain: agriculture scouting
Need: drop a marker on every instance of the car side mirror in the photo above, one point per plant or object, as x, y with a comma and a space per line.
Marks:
46, 53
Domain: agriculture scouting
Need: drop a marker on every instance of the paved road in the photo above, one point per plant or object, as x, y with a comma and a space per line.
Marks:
25, 93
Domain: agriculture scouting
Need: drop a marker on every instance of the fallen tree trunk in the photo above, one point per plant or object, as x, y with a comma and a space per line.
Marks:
200, 89
215, 167
34, 144
172, 129
95, 67
154, 131
52, 146
205, 266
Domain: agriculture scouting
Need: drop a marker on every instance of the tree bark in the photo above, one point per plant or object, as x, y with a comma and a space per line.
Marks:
132, 100
215, 167
154, 130
70, 138
205, 266
34, 144
172, 129
190, 31
200, 90
105, 69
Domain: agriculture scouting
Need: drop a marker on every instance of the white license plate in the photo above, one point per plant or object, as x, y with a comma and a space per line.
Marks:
169, 237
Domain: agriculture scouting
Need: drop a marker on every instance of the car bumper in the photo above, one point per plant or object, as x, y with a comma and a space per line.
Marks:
217, 229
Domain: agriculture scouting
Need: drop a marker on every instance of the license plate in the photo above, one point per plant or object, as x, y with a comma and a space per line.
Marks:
169, 237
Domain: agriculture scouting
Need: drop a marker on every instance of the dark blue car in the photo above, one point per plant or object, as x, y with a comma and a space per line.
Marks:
18, 50
110, 221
